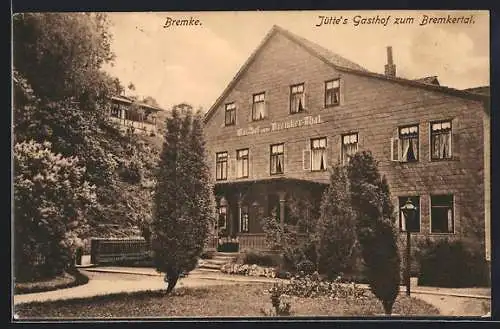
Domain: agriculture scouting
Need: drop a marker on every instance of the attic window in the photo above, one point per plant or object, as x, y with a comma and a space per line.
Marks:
297, 98
332, 93
259, 110
230, 114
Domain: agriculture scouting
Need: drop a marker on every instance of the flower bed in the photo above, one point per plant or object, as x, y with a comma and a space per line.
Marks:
250, 270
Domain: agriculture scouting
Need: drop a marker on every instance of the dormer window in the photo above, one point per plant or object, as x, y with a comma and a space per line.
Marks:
297, 98
259, 110
332, 93
230, 119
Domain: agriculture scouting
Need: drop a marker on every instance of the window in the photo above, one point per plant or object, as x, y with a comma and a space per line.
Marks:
402, 220
297, 98
442, 214
230, 114
318, 154
441, 140
244, 219
222, 220
349, 146
277, 159
242, 163
221, 166
332, 93
408, 137
259, 107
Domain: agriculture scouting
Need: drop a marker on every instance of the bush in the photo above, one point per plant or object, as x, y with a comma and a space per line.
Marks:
449, 264
306, 267
51, 198
250, 270
260, 258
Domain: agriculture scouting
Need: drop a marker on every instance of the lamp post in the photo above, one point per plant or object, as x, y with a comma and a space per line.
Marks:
409, 211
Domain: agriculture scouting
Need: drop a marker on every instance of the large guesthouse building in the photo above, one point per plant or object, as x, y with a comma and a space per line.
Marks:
296, 108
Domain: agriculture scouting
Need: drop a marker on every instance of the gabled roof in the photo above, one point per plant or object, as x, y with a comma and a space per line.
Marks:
337, 62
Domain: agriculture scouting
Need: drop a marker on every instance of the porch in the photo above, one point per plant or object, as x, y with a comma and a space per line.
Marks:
243, 205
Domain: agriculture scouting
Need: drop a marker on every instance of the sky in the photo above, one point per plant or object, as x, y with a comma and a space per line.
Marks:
195, 63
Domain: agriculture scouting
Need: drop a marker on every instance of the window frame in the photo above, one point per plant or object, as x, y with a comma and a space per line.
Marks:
219, 213
343, 162
302, 93
229, 110
217, 162
240, 158
254, 103
405, 197
326, 90
400, 144
271, 154
325, 150
431, 144
452, 212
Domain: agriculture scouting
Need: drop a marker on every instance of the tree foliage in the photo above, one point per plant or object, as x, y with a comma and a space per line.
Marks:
375, 227
61, 54
61, 96
184, 205
336, 230
50, 203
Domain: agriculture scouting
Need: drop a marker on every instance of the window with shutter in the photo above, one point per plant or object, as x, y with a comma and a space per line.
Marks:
318, 154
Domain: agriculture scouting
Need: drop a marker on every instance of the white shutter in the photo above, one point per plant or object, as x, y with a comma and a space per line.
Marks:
304, 101
455, 139
306, 159
395, 149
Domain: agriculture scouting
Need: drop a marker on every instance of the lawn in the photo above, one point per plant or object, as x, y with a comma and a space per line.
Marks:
245, 300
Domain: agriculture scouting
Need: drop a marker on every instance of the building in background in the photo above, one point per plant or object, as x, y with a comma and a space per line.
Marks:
296, 108
134, 116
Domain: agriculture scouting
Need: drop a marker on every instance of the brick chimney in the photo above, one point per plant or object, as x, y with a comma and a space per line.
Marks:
390, 67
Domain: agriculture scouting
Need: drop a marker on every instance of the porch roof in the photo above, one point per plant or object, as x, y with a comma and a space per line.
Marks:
270, 180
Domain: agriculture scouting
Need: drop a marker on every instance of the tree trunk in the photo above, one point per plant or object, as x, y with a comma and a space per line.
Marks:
388, 307
171, 277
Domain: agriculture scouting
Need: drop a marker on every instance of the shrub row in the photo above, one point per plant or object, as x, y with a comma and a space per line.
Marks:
70, 278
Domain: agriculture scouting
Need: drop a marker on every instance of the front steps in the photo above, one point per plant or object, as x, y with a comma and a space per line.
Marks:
214, 264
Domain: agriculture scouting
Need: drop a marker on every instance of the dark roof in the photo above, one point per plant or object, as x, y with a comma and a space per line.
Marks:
129, 100
341, 64
483, 90
433, 80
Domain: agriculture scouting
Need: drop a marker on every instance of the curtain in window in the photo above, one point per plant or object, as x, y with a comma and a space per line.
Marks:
259, 110
297, 103
318, 159
277, 163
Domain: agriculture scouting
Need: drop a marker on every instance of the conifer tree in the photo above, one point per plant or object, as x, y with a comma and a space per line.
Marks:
336, 227
184, 205
375, 227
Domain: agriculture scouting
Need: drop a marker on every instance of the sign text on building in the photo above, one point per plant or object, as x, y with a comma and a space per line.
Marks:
276, 126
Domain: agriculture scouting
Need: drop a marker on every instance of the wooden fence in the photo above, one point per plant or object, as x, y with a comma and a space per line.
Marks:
108, 251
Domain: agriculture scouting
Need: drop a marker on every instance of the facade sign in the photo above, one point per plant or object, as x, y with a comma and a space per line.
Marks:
281, 125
